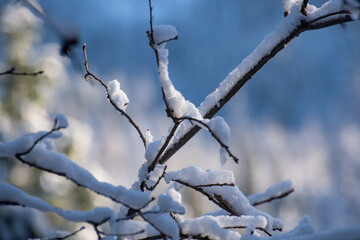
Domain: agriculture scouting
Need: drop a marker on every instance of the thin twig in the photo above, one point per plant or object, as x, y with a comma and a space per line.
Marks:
54, 128
11, 71
89, 75
213, 135
67, 236
209, 196
274, 198
242, 227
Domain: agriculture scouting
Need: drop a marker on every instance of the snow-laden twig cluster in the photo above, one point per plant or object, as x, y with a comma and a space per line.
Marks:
144, 216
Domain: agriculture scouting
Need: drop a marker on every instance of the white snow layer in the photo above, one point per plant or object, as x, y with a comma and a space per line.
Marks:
207, 226
194, 176
221, 130
288, 25
175, 100
117, 95
62, 121
155, 175
164, 223
289, 4
273, 191
42, 157
163, 33
233, 197
12, 194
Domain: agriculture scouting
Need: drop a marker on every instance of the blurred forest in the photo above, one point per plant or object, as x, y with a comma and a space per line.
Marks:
297, 119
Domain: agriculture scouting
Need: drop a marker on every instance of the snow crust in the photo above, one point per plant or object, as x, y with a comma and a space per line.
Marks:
273, 191
117, 95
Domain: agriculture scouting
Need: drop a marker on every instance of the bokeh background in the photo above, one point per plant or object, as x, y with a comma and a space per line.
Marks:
297, 119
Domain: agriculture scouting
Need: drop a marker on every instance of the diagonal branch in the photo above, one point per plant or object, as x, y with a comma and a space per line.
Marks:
89, 75
213, 135
246, 76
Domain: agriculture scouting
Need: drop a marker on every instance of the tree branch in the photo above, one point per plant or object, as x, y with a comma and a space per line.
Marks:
210, 112
89, 75
11, 71
274, 198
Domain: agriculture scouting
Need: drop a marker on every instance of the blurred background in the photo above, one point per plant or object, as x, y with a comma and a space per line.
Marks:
297, 119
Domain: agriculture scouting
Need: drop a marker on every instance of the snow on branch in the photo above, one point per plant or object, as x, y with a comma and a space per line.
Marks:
219, 187
115, 95
35, 151
220, 131
329, 14
11, 195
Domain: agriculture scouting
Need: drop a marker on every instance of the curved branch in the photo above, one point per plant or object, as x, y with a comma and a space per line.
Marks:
89, 75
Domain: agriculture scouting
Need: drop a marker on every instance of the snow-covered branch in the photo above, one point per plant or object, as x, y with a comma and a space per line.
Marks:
36, 150
295, 23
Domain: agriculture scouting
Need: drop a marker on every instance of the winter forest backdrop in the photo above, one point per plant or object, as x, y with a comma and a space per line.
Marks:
297, 119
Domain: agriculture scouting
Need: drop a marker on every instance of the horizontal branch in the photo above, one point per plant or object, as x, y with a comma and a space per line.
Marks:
11, 71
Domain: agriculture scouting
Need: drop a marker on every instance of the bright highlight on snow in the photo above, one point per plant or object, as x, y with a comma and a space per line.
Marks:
117, 95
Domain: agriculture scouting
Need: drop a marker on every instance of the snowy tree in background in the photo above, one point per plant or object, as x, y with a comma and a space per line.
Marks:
142, 213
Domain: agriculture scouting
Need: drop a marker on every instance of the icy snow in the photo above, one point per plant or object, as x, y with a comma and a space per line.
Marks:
117, 95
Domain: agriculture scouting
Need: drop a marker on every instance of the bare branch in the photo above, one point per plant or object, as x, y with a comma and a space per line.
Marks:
90, 75
11, 71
